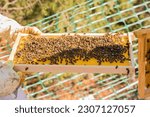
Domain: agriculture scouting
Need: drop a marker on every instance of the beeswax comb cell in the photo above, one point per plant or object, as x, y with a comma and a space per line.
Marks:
72, 49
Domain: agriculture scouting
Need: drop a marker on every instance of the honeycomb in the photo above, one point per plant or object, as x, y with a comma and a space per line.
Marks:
73, 50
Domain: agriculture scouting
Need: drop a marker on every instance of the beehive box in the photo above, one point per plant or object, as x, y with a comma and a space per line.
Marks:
143, 36
61, 52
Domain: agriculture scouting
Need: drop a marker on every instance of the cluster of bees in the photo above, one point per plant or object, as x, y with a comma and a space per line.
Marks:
69, 49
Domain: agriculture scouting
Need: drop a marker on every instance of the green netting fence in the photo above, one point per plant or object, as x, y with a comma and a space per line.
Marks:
99, 16
91, 16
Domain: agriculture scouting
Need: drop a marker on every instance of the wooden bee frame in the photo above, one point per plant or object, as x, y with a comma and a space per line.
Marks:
143, 36
74, 68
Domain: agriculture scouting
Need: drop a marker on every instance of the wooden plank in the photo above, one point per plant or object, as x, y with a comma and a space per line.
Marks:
130, 36
132, 71
14, 48
142, 35
147, 93
72, 68
141, 61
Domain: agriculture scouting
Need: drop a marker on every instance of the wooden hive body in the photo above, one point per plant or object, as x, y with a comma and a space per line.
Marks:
143, 36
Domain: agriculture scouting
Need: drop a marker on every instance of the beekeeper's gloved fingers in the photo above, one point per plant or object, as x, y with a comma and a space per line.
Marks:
27, 30
9, 79
9, 29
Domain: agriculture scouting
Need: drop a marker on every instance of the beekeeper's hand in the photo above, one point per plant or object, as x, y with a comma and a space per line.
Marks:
26, 30
9, 29
9, 79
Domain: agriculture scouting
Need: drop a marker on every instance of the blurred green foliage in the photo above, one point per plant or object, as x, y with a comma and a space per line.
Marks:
27, 11
76, 15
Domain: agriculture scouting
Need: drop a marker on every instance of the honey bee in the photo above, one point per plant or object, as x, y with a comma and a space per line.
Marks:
72, 48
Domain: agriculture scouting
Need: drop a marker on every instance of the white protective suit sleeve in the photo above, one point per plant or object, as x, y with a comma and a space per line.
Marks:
9, 79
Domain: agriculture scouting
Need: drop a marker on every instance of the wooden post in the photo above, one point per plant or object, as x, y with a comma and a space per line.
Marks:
143, 36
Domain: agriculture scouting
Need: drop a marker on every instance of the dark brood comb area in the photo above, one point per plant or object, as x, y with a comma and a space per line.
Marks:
71, 48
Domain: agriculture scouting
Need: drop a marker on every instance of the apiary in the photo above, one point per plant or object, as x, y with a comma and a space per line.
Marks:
62, 52
143, 36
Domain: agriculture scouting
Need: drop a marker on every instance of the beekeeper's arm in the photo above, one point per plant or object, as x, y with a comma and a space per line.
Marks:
7, 24
9, 79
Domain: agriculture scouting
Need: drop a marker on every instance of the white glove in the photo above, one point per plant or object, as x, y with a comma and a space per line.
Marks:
9, 80
9, 29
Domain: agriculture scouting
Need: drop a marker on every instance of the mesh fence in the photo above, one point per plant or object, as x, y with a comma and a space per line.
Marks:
90, 16
99, 16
